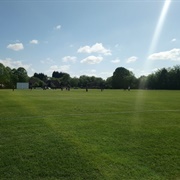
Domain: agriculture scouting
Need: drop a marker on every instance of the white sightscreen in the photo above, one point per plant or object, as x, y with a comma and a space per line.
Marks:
22, 85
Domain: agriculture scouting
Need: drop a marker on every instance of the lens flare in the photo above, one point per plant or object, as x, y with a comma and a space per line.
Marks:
159, 27
152, 48
157, 33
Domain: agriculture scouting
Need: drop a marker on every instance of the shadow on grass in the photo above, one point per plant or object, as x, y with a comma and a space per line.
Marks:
33, 150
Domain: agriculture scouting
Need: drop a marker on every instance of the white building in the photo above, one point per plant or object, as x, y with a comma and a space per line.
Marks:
22, 85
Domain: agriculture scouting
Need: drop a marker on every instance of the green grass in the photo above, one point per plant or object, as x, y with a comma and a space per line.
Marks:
75, 134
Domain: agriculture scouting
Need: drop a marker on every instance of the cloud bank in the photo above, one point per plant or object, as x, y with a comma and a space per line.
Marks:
172, 55
14, 64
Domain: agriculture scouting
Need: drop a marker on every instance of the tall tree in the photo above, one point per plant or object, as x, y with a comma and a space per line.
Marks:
109, 82
22, 74
36, 82
162, 79
4, 75
122, 78
41, 76
83, 81
57, 74
142, 82
65, 79
74, 82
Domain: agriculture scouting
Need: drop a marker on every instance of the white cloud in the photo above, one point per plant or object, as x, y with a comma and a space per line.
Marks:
58, 27
14, 64
96, 48
92, 60
64, 68
116, 61
34, 41
172, 55
132, 59
174, 40
16, 46
69, 59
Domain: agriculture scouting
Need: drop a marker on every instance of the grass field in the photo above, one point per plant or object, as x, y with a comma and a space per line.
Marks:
75, 134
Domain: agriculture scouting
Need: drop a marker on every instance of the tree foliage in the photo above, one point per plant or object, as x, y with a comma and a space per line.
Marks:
41, 76
162, 79
57, 74
9, 77
122, 78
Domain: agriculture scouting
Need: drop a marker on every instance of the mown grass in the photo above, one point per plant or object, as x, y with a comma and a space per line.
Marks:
75, 134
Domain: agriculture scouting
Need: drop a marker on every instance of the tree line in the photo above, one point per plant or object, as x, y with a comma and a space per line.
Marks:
122, 78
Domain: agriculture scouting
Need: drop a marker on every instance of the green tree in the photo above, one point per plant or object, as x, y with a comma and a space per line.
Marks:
36, 82
65, 79
74, 82
151, 81
142, 82
162, 79
6, 77
41, 76
122, 78
57, 74
108, 82
3, 75
83, 81
14, 77
177, 72
22, 74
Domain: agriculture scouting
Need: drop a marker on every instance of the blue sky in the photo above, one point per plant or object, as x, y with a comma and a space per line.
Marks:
83, 37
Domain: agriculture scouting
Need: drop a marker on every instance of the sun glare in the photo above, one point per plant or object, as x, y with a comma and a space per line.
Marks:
156, 34
159, 27
153, 45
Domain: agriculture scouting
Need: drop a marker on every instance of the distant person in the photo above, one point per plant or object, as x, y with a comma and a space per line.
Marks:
129, 88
